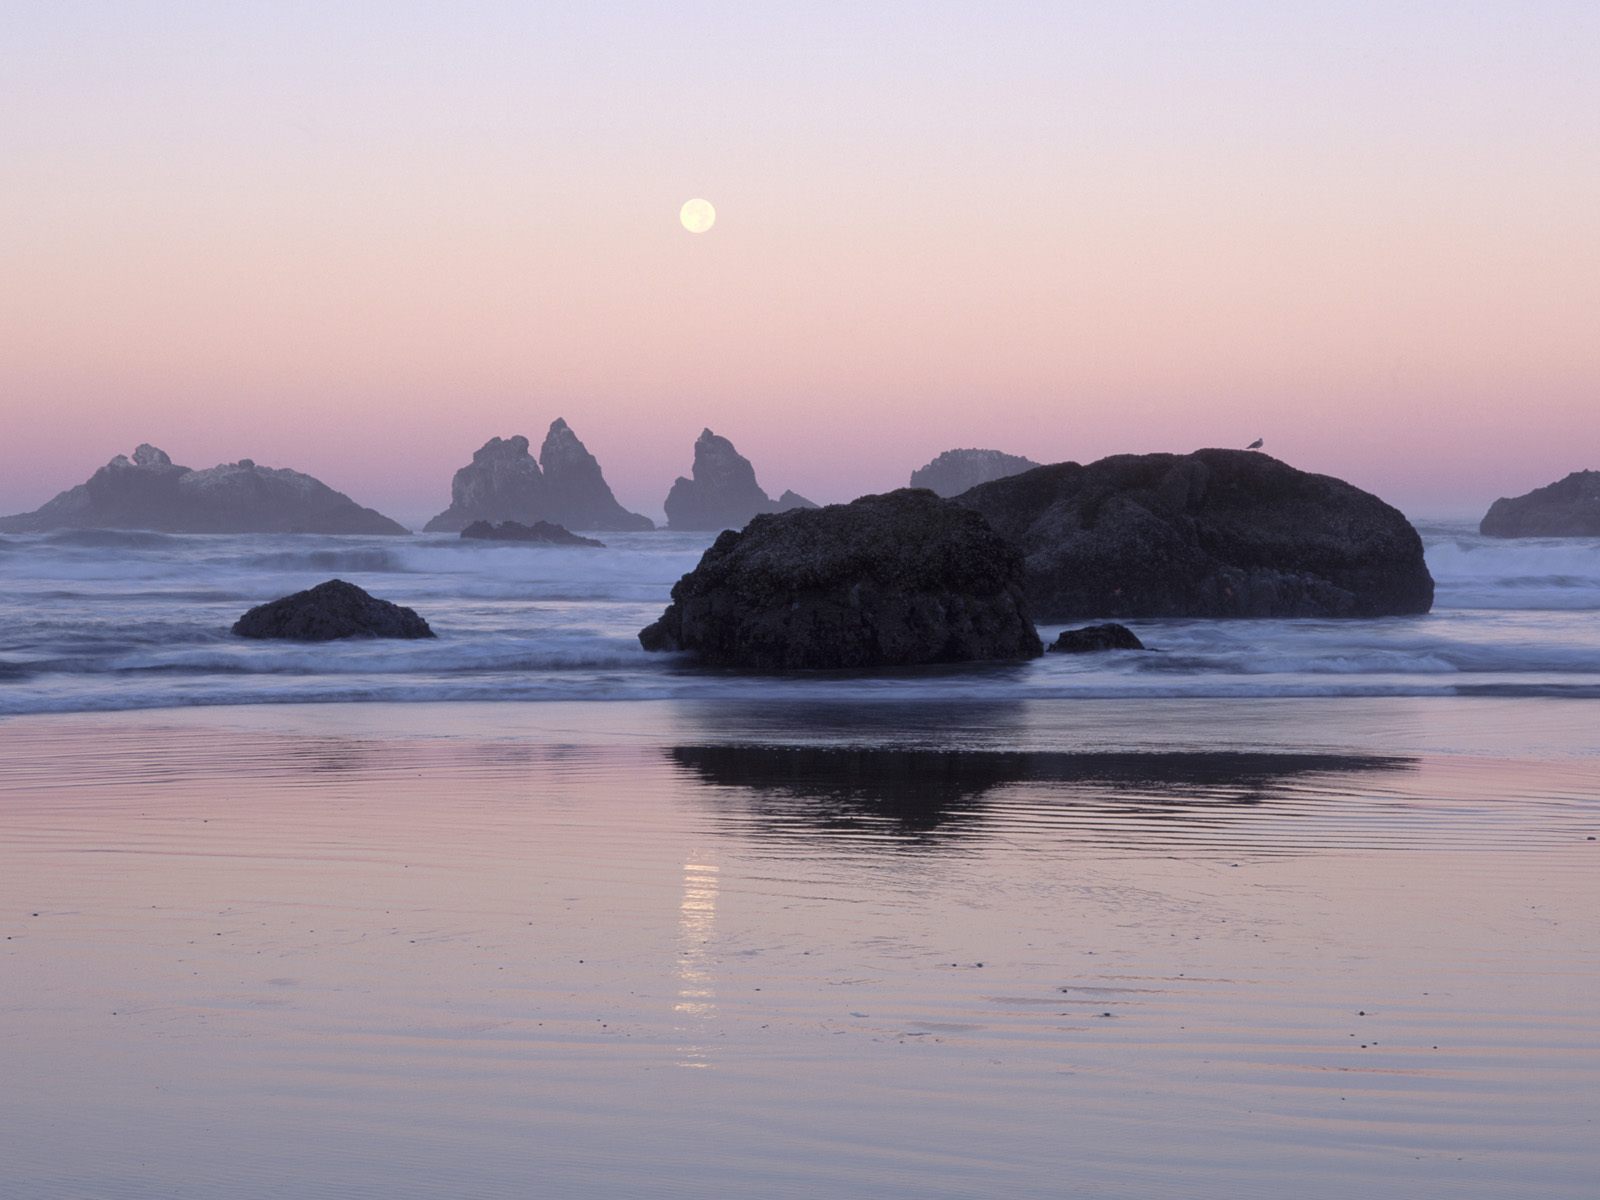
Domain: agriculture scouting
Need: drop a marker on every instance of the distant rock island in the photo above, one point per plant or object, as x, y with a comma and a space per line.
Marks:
328, 612
723, 493
503, 482
541, 533
1569, 507
1216, 533
149, 491
954, 471
893, 580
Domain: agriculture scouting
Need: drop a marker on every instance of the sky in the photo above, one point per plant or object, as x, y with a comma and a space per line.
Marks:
361, 239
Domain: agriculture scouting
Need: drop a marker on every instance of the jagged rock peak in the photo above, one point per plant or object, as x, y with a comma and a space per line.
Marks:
954, 471
501, 483
578, 495
150, 456
723, 493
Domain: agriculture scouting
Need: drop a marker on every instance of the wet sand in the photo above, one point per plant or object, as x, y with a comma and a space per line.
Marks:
1170, 949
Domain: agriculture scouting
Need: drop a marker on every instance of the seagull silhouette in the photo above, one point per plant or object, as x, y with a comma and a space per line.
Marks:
1257, 444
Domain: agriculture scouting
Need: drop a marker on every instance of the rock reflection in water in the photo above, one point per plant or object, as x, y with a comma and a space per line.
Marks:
914, 795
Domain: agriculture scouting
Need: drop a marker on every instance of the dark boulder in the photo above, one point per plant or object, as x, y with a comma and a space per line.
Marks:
723, 493
331, 610
954, 471
1569, 507
1216, 533
1093, 638
577, 495
541, 533
151, 492
888, 580
501, 483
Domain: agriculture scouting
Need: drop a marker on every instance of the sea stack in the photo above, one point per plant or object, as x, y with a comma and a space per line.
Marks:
883, 581
954, 471
149, 491
723, 493
1569, 507
1216, 533
564, 486
501, 483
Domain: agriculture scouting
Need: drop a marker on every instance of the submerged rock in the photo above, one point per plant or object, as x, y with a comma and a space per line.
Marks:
889, 580
1569, 507
331, 610
150, 492
1216, 533
954, 471
501, 483
540, 532
577, 494
1093, 638
723, 493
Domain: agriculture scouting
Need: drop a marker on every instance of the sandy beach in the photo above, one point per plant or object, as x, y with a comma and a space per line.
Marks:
1161, 948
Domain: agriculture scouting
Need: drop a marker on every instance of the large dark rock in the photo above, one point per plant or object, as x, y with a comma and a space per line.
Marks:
331, 610
1569, 507
151, 492
1216, 533
577, 494
501, 483
540, 532
1092, 639
723, 493
954, 471
887, 580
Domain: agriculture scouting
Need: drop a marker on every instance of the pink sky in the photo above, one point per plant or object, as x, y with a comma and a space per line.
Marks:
360, 244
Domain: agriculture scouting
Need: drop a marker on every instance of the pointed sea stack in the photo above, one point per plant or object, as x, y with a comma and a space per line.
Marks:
883, 581
1569, 507
954, 471
724, 493
1216, 533
151, 492
501, 483
577, 495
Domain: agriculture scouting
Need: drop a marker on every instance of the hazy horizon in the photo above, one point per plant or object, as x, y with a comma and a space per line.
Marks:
360, 243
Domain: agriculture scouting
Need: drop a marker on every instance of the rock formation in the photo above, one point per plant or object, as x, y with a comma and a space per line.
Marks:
723, 494
539, 533
150, 492
331, 610
1093, 638
887, 580
1569, 507
954, 471
578, 496
1216, 533
501, 483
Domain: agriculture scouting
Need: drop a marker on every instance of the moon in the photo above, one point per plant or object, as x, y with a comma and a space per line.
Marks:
697, 215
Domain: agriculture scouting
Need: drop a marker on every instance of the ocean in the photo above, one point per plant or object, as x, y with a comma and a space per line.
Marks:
1284, 908
105, 620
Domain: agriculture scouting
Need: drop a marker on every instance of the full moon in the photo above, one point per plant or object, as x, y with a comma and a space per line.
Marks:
697, 215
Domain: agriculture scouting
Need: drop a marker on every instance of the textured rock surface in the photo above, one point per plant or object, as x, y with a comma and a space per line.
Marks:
540, 532
1216, 533
887, 580
331, 610
577, 493
501, 483
1093, 638
150, 492
723, 493
1569, 507
954, 471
